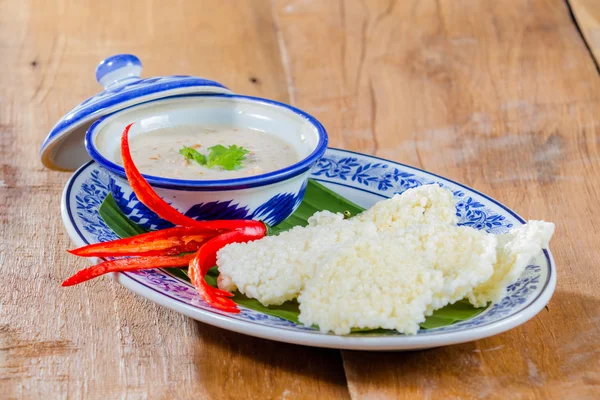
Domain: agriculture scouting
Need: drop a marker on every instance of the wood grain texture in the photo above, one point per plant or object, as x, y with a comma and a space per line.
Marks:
100, 340
500, 95
587, 13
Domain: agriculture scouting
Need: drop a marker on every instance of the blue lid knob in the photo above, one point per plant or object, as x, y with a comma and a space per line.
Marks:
118, 68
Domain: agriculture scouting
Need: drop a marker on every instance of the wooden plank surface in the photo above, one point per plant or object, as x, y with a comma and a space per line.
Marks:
587, 13
501, 95
101, 341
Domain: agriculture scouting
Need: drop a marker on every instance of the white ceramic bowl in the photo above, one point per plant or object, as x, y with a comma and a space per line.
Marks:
269, 197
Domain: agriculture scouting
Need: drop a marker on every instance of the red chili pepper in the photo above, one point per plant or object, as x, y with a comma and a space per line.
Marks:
191, 236
128, 264
170, 241
206, 258
144, 192
154, 202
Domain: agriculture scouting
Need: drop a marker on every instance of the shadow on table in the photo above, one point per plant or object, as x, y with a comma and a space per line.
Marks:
556, 351
260, 368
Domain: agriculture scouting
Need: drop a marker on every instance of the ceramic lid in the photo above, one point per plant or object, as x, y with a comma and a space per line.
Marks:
63, 148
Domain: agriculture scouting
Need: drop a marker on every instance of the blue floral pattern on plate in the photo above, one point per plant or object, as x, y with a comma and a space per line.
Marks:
354, 171
389, 179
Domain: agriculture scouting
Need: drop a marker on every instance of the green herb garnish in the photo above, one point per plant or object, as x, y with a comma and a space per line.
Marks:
192, 154
228, 158
317, 198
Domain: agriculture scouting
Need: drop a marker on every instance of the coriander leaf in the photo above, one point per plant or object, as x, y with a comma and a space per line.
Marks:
228, 158
192, 154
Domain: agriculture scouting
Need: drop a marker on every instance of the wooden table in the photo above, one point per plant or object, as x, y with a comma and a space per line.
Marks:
500, 95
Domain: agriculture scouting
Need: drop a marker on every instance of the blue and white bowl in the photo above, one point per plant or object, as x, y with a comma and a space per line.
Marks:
270, 197
172, 100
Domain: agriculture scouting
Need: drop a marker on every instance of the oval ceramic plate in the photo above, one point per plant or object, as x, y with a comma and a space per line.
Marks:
365, 180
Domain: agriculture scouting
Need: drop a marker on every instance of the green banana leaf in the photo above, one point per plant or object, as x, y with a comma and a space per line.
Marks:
317, 198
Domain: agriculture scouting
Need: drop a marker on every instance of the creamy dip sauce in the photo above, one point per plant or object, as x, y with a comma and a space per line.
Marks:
157, 152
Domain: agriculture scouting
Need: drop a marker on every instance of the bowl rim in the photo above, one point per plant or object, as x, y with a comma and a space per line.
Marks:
218, 184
